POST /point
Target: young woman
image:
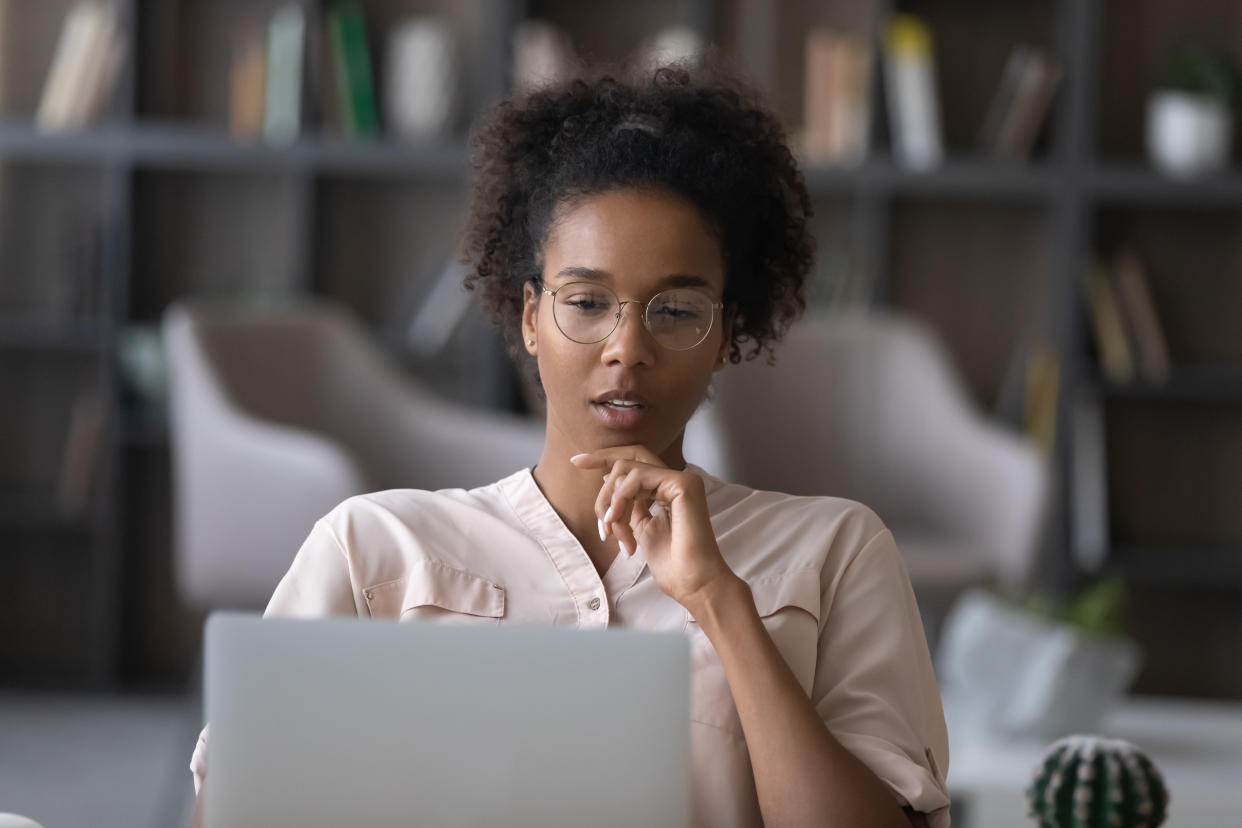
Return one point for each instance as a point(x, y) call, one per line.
point(631, 240)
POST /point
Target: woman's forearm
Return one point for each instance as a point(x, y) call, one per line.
point(803, 775)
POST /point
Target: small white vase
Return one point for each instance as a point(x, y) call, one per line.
point(423, 78)
point(1188, 134)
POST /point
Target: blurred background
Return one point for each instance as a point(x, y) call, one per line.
point(1029, 218)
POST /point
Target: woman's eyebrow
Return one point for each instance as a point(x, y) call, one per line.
point(672, 280)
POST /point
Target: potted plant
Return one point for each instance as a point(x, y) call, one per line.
point(1037, 666)
point(1190, 112)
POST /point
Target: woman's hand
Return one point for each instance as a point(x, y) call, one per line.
point(645, 503)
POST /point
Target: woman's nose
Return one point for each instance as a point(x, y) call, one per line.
point(630, 343)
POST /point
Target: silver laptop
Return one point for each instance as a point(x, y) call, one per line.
point(339, 722)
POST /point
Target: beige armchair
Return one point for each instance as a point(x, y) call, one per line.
point(867, 406)
point(277, 416)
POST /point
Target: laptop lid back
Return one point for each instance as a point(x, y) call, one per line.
point(332, 722)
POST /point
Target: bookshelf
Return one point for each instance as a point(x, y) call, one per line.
point(156, 200)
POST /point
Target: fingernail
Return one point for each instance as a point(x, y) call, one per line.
point(576, 456)
point(600, 523)
point(624, 551)
point(608, 515)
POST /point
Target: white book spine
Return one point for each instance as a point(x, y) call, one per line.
point(286, 45)
point(66, 69)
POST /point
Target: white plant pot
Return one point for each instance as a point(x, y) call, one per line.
point(1027, 676)
point(1188, 134)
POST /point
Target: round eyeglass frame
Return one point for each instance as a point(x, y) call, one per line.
point(621, 308)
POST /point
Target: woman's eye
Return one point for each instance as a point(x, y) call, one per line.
point(675, 313)
point(585, 304)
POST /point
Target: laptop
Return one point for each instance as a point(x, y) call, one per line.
point(333, 722)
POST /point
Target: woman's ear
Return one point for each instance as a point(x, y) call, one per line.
point(530, 313)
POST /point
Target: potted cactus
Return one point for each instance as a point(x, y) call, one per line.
point(1087, 781)
point(1190, 111)
point(1037, 666)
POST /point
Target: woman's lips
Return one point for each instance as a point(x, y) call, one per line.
point(620, 417)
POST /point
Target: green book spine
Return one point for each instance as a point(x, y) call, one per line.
point(340, 71)
point(358, 94)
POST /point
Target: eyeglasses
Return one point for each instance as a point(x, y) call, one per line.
point(587, 312)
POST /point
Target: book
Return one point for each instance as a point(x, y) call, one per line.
point(1142, 321)
point(84, 67)
point(81, 27)
point(248, 80)
point(1107, 325)
point(1027, 111)
point(322, 107)
point(81, 452)
point(352, 69)
point(286, 47)
point(1005, 97)
point(1043, 384)
point(910, 90)
point(837, 97)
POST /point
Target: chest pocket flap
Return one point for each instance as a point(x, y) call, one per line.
point(799, 588)
point(432, 584)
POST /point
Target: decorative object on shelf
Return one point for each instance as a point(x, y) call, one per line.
point(286, 50)
point(1086, 780)
point(422, 79)
point(84, 67)
point(351, 64)
point(837, 97)
point(1190, 112)
point(1037, 667)
point(144, 368)
point(542, 54)
point(910, 87)
point(1020, 106)
point(675, 43)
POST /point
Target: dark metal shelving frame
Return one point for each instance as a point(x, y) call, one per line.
point(1067, 181)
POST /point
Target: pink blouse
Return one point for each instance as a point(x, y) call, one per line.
point(826, 575)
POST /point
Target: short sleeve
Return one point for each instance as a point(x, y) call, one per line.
point(318, 583)
point(875, 687)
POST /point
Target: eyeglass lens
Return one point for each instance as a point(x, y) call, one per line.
point(678, 319)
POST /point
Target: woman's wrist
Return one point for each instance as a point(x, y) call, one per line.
point(721, 598)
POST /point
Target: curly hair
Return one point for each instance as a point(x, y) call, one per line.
point(697, 132)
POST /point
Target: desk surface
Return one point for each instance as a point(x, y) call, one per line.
point(1196, 744)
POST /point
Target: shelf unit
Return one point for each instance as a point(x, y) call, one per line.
point(166, 203)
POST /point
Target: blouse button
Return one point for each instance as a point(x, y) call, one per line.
point(594, 604)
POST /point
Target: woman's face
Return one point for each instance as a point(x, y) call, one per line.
point(637, 243)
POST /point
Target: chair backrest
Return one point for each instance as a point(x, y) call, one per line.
point(867, 405)
point(280, 414)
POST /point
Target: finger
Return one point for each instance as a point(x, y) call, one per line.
point(605, 457)
point(603, 500)
point(628, 531)
point(624, 489)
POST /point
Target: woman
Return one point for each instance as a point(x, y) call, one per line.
point(631, 240)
